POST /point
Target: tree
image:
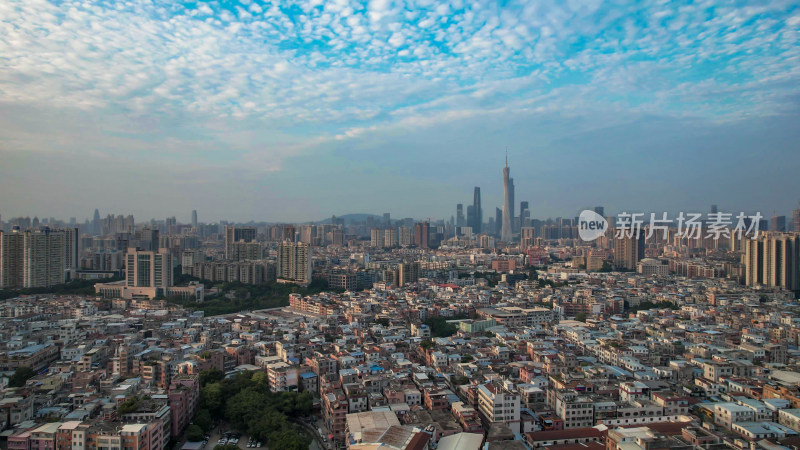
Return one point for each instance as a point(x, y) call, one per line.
point(261, 378)
point(202, 418)
point(580, 317)
point(426, 345)
point(128, 406)
point(211, 376)
point(466, 358)
point(288, 439)
point(211, 398)
point(21, 375)
point(194, 433)
point(459, 380)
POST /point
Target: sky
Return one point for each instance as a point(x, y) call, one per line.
point(299, 110)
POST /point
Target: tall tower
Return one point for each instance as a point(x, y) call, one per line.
point(505, 231)
point(513, 211)
point(96, 227)
point(194, 218)
point(477, 211)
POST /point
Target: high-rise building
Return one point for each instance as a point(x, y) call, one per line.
point(11, 258)
point(149, 269)
point(513, 211)
point(387, 219)
point(194, 218)
point(524, 215)
point(376, 237)
point(289, 233)
point(404, 236)
point(294, 262)
point(600, 211)
point(390, 238)
point(407, 273)
point(422, 234)
point(527, 237)
point(147, 239)
point(307, 234)
point(498, 220)
point(505, 230)
point(460, 215)
point(714, 209)
point(33, 258)
point(796, 220)
point(71, 248)
point(477, 212)
point(96, 224)
point(246, 251)
point(778, 223)
point(236, 234)
point(628, 251)
point(773, 259)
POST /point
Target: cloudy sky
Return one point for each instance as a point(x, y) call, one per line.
point(300, 110)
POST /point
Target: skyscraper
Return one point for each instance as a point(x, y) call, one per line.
point(498, 220)
point(601, 211)
point(96, 224)
point(524, 215)
point(459, 215)
point(513, 211)
point(505, 231)
point(477, 212)
point(194, 218)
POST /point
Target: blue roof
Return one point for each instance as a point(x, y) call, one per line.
point(308, 375)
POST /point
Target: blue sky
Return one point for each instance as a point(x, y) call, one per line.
point(299, 110)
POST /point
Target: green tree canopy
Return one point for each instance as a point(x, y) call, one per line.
point(20, 376)
point(202, 418)
point(194, 433)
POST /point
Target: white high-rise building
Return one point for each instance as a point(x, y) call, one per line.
point(390, 238)
point(404, 236)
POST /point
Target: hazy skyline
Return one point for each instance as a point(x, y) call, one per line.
point(294, 113)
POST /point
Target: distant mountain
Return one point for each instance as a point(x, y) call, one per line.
point(351, 218)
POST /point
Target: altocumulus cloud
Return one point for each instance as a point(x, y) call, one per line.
point(247, 86)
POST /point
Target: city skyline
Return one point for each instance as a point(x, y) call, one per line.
point(311, 109)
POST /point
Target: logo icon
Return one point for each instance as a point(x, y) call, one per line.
point(591, 225)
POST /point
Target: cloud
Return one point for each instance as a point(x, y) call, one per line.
point(253, 86)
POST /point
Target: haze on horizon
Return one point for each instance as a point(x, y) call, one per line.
point(296, 112)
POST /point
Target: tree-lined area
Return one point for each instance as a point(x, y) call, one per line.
point(245, 297)
point(245, 402)
point(74, 287)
